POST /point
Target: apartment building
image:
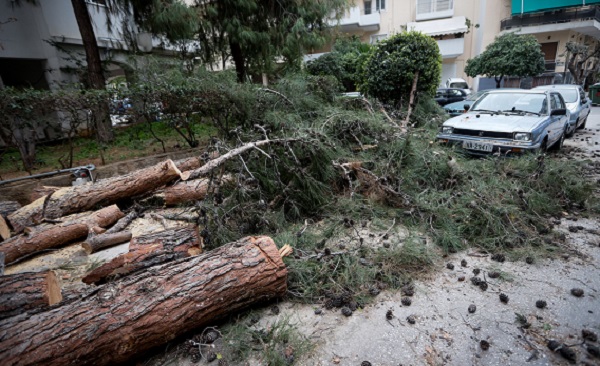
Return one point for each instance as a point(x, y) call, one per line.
point(464, 28)
point(41, 47)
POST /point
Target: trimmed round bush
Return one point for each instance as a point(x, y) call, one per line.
point(390, 69)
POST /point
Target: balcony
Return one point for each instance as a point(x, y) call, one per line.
point(356, 18)
point(450, 48)
point(583, 19)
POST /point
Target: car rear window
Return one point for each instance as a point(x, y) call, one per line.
point(459, 85)
point(569, 95)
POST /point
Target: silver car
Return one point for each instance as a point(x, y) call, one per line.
point(577, 103)
point(509, 122)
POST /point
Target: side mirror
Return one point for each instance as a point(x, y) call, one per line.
point(466, 107)
point(559, 112)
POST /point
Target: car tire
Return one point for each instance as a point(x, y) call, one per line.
point(543, 147)
point(559, 143)
point(572, 133)
point(582, 124)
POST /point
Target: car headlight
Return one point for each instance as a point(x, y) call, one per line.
point(522, 136)
point(446, 129)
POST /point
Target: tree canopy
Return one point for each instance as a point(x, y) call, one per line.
point(391, 68)
point(344, 62)
point(509, 55)
point(258, 33)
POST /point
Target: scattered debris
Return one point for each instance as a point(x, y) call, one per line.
point(461, 278)
point(411, 319)
point(406, 301)
point(463, 263)
point(472, 308)
point(346, 311)
point(588, 335)
point(485, 345)
point(577, 292)
point(504, 298)
point(494, 274)
point(483, 285)
point(476, 271)
point(498, 257)
point(529, 260)
point(450, 266)
point(389, 315)
point(541, 304)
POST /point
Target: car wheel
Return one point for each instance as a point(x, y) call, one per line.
point(583, 124)
point(570, 134)
point(543, 147)
point(559, 144)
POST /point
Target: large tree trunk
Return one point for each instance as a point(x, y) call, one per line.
point(69, 200)
point(23, 291)
point(4, 229)
point(238, 60)
point(149, 250)
point(41, 238)
point(118, 321)
point(187, 191)
point(95, 75)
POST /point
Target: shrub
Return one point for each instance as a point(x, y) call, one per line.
point(390, 69)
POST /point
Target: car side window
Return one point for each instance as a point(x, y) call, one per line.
point(581, 94)
point(454, 93)
point(561, 102)
point(439, 94)
point(553, 104)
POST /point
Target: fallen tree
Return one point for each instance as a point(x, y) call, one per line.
point(69, 200)
point(52, 236)
point(23, 291)
point(147, 251)
point(105, 240)
point(118, 321)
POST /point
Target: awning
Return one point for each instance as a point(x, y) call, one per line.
point(440, 27)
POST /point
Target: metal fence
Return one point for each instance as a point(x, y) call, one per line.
point(552, 17)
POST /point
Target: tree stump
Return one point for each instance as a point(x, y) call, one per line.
point(117, 321)
point(23, 291)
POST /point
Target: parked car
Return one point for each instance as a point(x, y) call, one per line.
point(458, 108)
point(577, 102)
point(446, 96)
point(509, 122)
point(458, 83)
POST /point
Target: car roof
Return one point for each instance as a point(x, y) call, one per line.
point(449, 89)
point(525, 91)
point(559, 86)
point(456, 79)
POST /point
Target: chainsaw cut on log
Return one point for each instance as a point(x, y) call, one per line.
point(23, 291)
point(53, 236)
point(117, 321)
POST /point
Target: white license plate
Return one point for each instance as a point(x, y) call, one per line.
point(475, 145)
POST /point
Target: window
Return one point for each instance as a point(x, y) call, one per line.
point(379, 5)
point(554, 101)
point(378, 37)
point(431, 9)
point(455, 93)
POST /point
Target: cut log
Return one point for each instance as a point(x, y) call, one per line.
point(4, 229)
point(118, 321)
point(23, 291)
point(147, 251)
point(42, 191)
point(97, 242)
point(104, 192)
point(187, 191)
point(53, 236)
point(8, 207)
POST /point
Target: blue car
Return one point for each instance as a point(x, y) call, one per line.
point(458, 108)
point(509, 122)
point(577, 103)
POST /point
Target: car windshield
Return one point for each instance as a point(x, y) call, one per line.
point(473, 97)
point(569, 95)
point(459, 85)
point(534, 103)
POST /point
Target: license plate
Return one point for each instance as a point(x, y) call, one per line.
point(475, 145)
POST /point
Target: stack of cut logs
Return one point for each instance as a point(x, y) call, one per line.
point(162, 287)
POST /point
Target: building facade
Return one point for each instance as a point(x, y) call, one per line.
point(464, 28)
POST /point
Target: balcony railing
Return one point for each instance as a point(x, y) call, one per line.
point(358, 17)
point(552, 17)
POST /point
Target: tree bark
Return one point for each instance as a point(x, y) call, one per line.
point(95, 73)
point(4, 229)
point(2, 257)
point(69, 200)
point(97, 242)
point(149, 250)
point(118, 321)
point(8, 207)
point(411, 99)
point(191, 190)
point(23, 291)
point(42, 191)
point(57, 235)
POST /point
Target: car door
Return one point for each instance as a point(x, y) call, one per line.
point(557, 122)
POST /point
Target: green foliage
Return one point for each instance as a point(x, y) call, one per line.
point(344, 62)
point(390, 69)
point(509, 55)
point(255, 33)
